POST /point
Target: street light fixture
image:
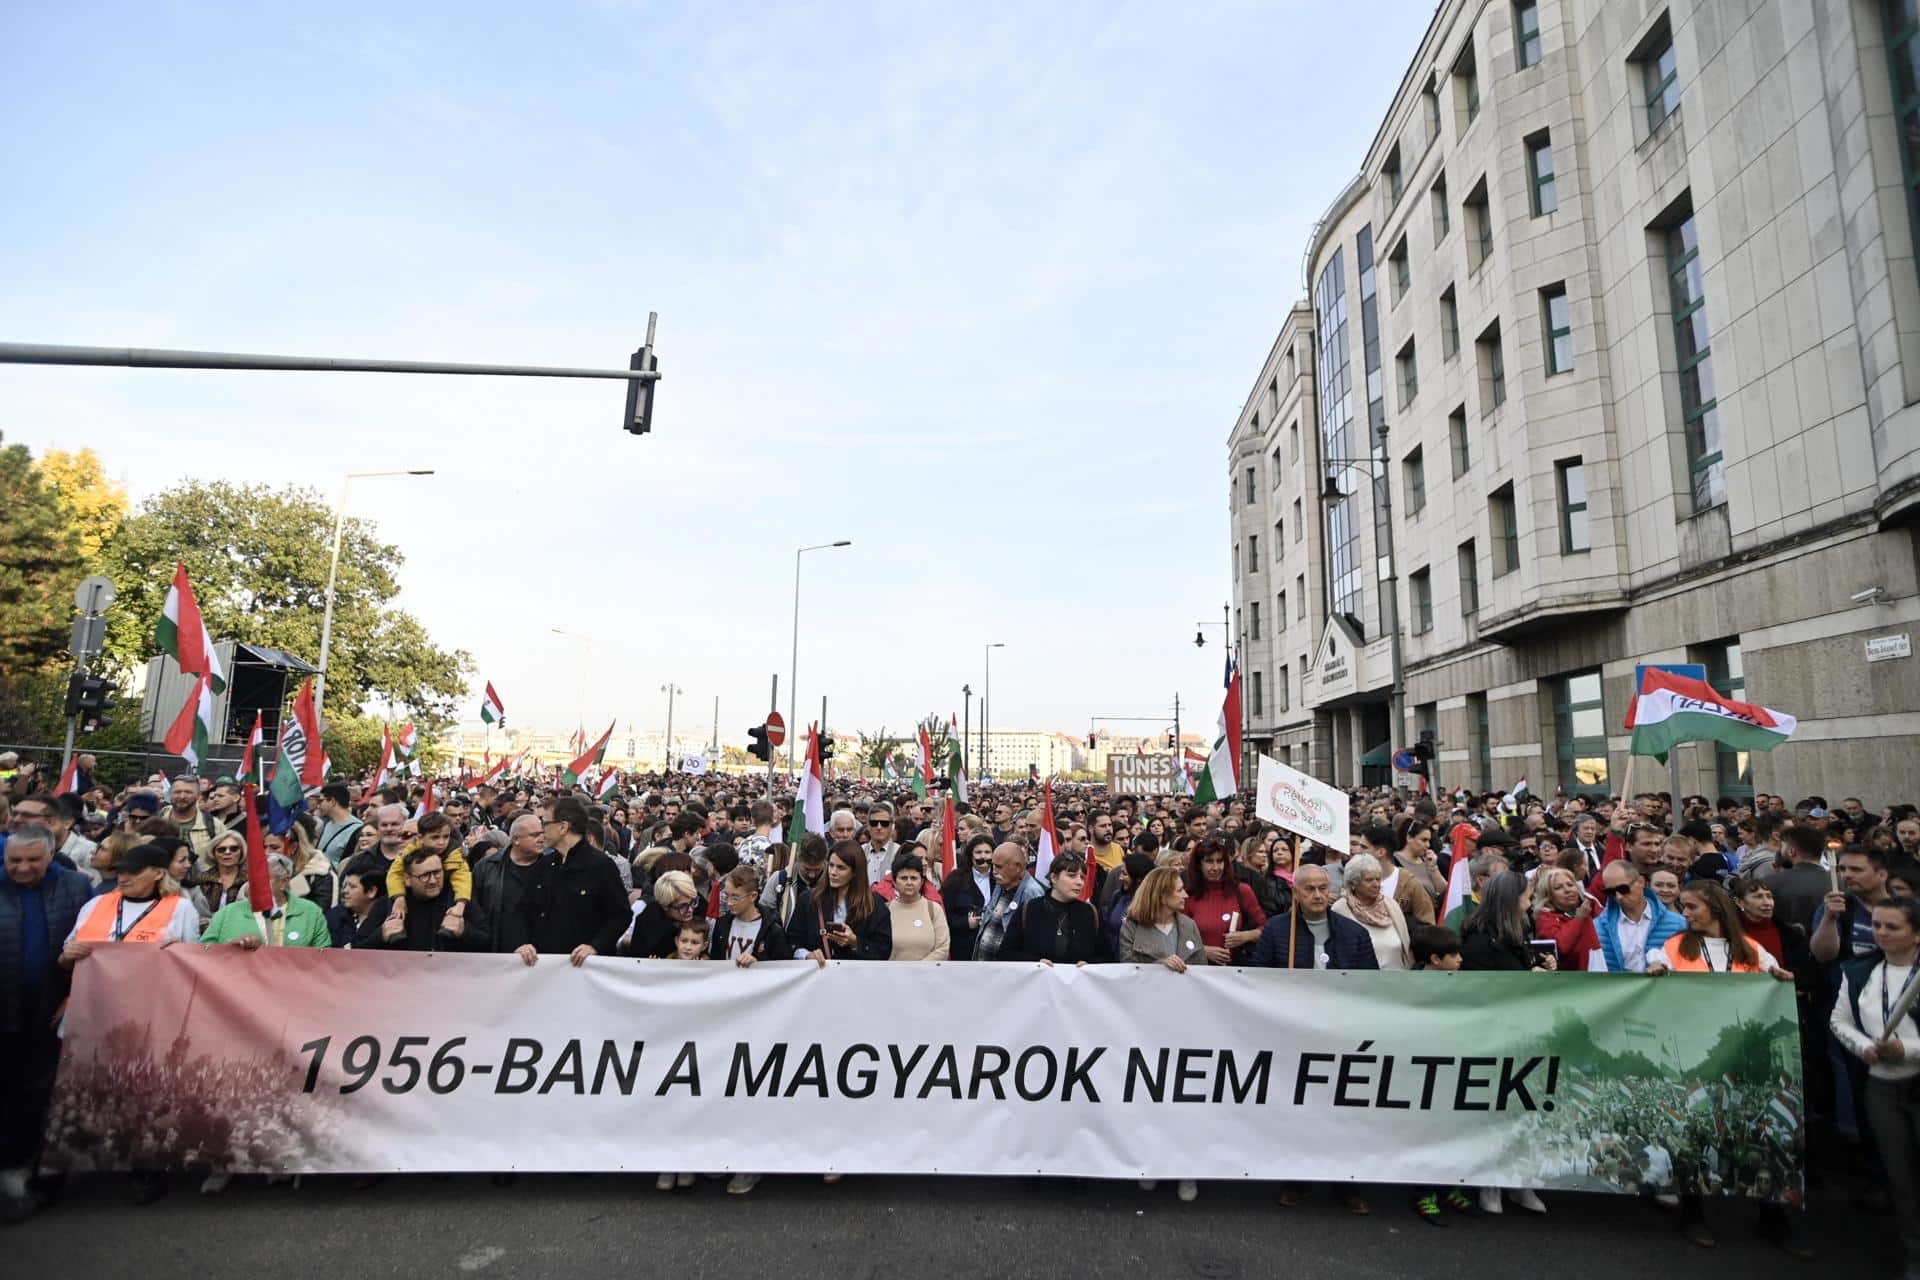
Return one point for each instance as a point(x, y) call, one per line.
point(793, 676)
point(333, 572)
point(670, 690)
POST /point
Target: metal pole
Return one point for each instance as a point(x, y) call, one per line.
point(160, 358)
point(1179, 765)
point(823, 733)
point(1397, 696)
point(793, 673)
point(966, 728)
point(333, 577)
point(773, 709)
point(671, 690)
point(986, 699)
point(714, 747)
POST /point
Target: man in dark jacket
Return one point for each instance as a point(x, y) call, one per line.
point(1320, 939)
point(502, 882)
point(417, 920)
point(576, 906)
point(39, 903)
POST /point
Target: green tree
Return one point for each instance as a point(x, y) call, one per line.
point(40, 565)
point(258, 559)
point(94, 505)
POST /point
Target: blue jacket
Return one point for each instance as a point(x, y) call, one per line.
point(62, 894)
point(1665, 924)
point(1349, 945)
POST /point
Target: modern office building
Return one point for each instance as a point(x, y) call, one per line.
point(1611, 353)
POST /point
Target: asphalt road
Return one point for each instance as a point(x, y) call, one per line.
point(922, 1228)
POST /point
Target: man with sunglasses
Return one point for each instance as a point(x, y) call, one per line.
point(880, 846)
point(1632, 924)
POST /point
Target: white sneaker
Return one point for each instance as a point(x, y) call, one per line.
point(663, 1183)
point(1148, 1184)
point(1527, 1199)
point(741, 1183)
point(13, 1183)
point(1490, 1200)
point(683, 1180)
point(1189, 1190)
point(215, 1184)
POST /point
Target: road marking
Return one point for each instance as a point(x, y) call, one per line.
point(482, 1258)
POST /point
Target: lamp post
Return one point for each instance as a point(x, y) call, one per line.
point(670, 690)
point(966, 727)
point(1331, 496)
point(1236, 645)
point(793, 676)
point(333, 573)
point(586, 665)
point(986, 697)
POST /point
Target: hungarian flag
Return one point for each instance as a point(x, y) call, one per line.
point(957, 769)
point(193, 727)
point(1218, 781)
point(253, 745)
point(183, 637)
point(491, 709)
point(300, 742)
point(1671, 709)
point(405, 744)
point(1049, 835)
point(286, 786)
point(923, 774)
point(809, 809)
point(386, 758)
point(494, 772)
point(608, 782)
point(949, 839)
point(68, 776)
point(1511, 801)
point(259, 888)
point(586, 759)
point(427, 802)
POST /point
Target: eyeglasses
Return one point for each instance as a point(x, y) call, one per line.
point(426, 875)
point(880, 822)
point(228, 848)
point(1619, 890)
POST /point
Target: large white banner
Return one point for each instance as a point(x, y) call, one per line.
point(1301, 803)
point(289, 1059)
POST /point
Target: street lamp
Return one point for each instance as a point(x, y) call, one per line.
point(986, 697)
point(670, 690)
point(333, 573)
point(793, 676)
point(1331, 496)
point(586, 666)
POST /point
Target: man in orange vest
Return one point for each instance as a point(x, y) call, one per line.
point(147, 907)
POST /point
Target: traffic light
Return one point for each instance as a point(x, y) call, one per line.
point(826, 746)
point(757, 745)
point(1171, 743)
point(640, 393)
point(1093, 742)
point(90, 698)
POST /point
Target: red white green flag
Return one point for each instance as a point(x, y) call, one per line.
point(608, 781)
point(809, 807)
point(386, 758)
point(923, 773)
point(193, 728)
point(1670, 709)
point(492, 710)
point(253, 746)
point(586, 760)
point(183, 637)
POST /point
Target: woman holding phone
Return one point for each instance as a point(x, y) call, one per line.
point(854, 923)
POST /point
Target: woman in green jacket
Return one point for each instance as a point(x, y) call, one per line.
point(299, 924)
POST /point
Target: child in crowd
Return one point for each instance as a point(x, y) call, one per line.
point(1437, 950)
point(689, 943)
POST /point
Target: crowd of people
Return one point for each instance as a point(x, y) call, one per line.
point(700, 868)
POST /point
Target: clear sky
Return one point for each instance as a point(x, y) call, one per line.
point(981, 288)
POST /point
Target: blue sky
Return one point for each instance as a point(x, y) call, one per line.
point(980, 288)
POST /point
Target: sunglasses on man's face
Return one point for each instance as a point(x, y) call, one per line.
point(1619, 890)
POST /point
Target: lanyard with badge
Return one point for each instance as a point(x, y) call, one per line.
point(1887, 1002)
point(121, 928)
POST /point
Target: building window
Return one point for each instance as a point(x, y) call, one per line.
point(1430, 109)
point(1299, 525)
point(1277, 470)
point(1415, 468)
point(1335, 388)
point(1400, 269)
point(1293, 439)
point(1540, 174)
point(1699, 408)
point(1420, 585)
point(1253, 620)
point(1300, 602)
point(1557, 320)
point(1493, 369)
point(1251, 495)
point(1293, 368)
point(1580, 733)
point(1469, 579)
point(1479, 741)
point(1408, 373)
point(1253, 553)
point(1449, 325)
point(1279, 537)
point(1391, 172)
point(1727, 673)
point(1571, 480)
point(1479, 226)
point(1457, 439)
point(1466, 84)
point(1258, 708)
point(1280, 613)
point(1282, 689)
point(1442, 216)
point(1526, 32)
point(1662, 73)
point(1503, 520)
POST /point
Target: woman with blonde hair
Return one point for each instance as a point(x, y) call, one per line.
point(1564, 913)
point(657, 921)
point(1157, 929)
